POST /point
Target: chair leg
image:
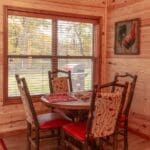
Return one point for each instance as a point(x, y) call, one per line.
point(62, 140)
point(59, 138)
point(90, 145)
point(126, 134)
point(94, 145)
point(85, 146)
point(100, 144)
point(28, 136)
point(126, 139)
point(37, 139)
point(115, 143)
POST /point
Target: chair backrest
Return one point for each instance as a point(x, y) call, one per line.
point(131, 79)
point(105, 111)
point(2, 145)
point(60, 84)
point(31, 115)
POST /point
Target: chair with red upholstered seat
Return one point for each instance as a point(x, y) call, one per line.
point(102, 120)
point(2, 145)
point(123, 125)
point(38, 123)
point(60, 82)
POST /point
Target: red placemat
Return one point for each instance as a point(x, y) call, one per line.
point(52, 98)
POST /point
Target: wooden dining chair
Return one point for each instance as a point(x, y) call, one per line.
point(102, 122)
point(2, 145)
point(60, 84)
point(36, 124)
point(123, 125)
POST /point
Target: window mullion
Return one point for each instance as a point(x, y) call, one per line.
point(54, 45)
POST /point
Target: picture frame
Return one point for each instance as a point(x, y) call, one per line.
point(127, 37)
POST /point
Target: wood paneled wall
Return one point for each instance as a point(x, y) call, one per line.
point(119, 10)
point(12, 116)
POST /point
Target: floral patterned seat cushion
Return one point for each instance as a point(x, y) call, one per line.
point(60, 85)
point(107, 106)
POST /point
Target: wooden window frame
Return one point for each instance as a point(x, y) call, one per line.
point(9, 10)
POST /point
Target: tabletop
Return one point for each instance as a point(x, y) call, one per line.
point(75, 104)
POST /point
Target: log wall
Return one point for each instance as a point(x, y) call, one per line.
point(12, 116)
point(119, 10)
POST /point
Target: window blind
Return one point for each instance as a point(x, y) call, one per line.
point(36, 45)
point(29, 39)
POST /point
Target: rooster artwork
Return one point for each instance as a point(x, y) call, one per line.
point(126, 41)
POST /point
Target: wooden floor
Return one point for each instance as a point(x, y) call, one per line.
point(18, 142)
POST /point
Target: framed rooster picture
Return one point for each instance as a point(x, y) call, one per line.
point(127, 37)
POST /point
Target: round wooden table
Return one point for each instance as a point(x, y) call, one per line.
point(68, 105)
point(76, 109)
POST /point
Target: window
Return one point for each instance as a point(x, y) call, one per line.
point(38, 43)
